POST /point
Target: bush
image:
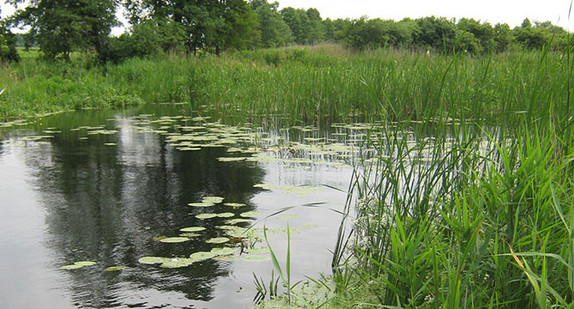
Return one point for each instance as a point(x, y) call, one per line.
point(8, 46)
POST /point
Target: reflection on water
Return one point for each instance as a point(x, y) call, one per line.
point(105, 197)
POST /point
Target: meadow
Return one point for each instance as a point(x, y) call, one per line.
point(470, 202)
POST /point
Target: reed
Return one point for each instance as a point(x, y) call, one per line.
point(480, 214)
point(325, 82)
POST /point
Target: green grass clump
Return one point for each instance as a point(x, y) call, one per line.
point(311, 83)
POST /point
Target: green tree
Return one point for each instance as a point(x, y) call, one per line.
point(436, 33)
point(502, 37)
point(7, 45)
point(483, 34)
point(314, 27)
point(530, 37)
point(297, 20)
point(274, 31)
point(368, 34)
point(206, 24)
point(63, 26)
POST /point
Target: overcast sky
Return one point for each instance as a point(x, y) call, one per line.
point(511, 12)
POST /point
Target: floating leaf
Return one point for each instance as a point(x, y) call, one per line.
point(115, 268)
point(71, 266)
point(77, 265)
point(223, 251)
point(217, 240)
point(189, 235)
point(213, 199)
point(150, 260)
point(226, 215)
point(192, 229)
point(188, 149)
point(205, 216)
point(299, 190)
point(250, 214)
point(227, 258)
point(234, 205)
point(35, 138)
point(176, 263)
point(237, 221)
point(172, 240)
point(201, 256)
point(256, 258)
point(231, 159)
point(202, 204)
point(102, 132)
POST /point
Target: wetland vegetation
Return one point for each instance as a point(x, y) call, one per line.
point(460, 158)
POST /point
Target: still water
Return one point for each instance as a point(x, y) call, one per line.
point(114, 187)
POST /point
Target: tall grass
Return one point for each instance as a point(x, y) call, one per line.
point(325, 82)
point(479, 215)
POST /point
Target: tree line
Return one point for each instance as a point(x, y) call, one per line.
point(156, 27)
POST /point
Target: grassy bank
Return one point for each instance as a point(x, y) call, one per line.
point(310, 83)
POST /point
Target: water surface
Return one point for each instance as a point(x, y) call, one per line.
point(108, 186)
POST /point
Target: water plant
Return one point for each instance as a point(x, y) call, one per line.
point(471, 214)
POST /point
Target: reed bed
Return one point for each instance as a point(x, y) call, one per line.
point(472, 213)
point(325, 82)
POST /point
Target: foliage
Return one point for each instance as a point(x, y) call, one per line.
point(201, 24)
point(64, 26)
point(7, 46)
point(274, 30)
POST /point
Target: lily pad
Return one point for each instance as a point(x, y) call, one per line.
point(256, 258)
point(150, 260)
point(115, 268)
point(226, 215)
point(231, 159)
point(227, 258)
point(77, 265)
point(173, 240)
point(189, 235)
point(237, 221)
point(217, 240)
point(176, 263)
point(201, 204)
point(213, 199)
point(298, 190)
point(201, 256)
point(250, 214)
point(188, 149)
point(224, 251)
point(192, 229)
point(234, 205)
point(205, 216)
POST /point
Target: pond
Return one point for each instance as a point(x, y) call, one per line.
point(158, 207)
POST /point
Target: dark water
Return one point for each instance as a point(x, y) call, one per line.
point(103, 198)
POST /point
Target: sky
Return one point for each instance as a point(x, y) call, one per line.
point(511, 12)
